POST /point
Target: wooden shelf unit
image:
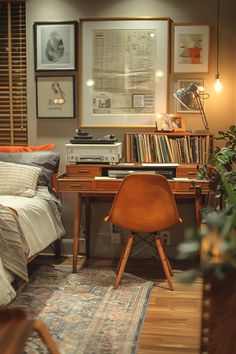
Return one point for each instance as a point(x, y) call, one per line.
point(166, 147)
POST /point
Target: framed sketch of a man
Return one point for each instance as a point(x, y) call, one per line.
point(55, 45)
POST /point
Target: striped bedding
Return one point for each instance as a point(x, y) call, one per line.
point(13, 246)
point(27, 226)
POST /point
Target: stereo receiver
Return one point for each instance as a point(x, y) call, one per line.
point(94, 153)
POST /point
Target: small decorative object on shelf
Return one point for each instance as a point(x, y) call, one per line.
point(166, 122)
point(176, 147)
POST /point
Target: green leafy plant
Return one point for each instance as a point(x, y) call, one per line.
point(216, 240)
point(223, 162)
point(229, 138)
point(219, 230)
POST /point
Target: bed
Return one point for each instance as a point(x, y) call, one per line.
point(30, 213)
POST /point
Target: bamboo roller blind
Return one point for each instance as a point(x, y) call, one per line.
point(13, 107)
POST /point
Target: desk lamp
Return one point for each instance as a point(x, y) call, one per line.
point(187, 95)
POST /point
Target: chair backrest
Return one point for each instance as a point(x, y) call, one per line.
point(144, 203)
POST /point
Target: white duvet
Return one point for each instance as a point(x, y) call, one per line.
point(41, 223)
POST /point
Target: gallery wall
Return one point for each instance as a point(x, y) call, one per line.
point(220, 108)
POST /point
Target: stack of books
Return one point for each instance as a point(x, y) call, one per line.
point(163, 148)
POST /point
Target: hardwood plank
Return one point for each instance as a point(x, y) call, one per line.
point(172, 321)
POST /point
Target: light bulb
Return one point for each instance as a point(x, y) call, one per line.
point(218, 85)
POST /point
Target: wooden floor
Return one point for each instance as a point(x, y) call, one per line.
point(172, 321)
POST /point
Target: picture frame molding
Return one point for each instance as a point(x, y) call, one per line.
point(70, 50)
point(191, 29)
point(42, 103)
point(87, 94)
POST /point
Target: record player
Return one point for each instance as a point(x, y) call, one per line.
point(84, 148)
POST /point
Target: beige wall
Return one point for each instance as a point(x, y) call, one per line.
point(220, 108)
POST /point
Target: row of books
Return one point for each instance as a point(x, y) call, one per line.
point(161, 148)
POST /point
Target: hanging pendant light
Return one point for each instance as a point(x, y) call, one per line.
point(218, 85)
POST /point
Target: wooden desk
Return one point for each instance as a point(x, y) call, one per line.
point(98, 186)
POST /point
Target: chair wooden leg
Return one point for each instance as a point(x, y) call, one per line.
point(46, 337)
point(168, 262)
point(124, 259)
point(122, 255)
point(165, 262)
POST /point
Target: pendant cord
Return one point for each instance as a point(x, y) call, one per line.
point(217, 37)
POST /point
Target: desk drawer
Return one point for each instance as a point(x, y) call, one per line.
point(187, 172)
point(188, 187)
point(108, 185)
point(82, 171)
point(74, 185)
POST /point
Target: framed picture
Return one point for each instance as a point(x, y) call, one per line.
point(55, 45)
point(177, 122)
point(183, 83)
point(191, 48)
point(170, 122)
point(124, 71)
point(55, 97)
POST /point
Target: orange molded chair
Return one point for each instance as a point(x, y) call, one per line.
point(144, 203)
point(15, 328)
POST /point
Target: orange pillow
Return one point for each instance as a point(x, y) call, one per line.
point(11, 148)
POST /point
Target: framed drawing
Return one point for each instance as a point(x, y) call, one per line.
point(55, 45)
point(55, 97)
point(191, 48)
point(124, 71)
point(170, 122)
point(183, 83)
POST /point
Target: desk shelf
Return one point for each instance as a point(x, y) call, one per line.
point(158, 147)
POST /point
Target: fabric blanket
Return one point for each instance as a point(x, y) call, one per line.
point(13, 246)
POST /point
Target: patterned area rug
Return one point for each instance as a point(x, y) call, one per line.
point(83, 312)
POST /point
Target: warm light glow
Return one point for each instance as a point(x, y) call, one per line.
point(218, 85)
point(159, 74)
point(90, 82)
point(200, 88)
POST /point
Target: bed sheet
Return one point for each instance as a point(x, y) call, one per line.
point(40, 220)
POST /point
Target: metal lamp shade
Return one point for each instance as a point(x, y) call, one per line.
point(185, 96)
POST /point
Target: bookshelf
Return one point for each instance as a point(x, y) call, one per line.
point(163, 147)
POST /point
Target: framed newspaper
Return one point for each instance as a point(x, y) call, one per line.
point(124, 70)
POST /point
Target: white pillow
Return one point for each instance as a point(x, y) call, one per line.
point(16, 179)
